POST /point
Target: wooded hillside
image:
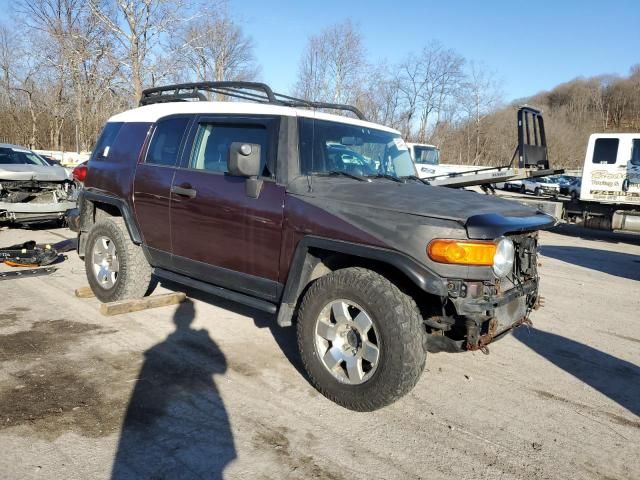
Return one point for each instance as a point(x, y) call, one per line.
point(572, 111)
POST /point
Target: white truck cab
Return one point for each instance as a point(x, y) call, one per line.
point(611, 172)
point(427, 160)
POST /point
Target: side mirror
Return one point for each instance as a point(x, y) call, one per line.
point(244, 161)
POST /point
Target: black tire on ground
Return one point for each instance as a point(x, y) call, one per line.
point(134, 277)
point(537, 192)
point(399, 326)
point(523, 189)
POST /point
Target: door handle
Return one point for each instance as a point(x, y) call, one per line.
point(183, 191)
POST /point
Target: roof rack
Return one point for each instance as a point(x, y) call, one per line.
point(251, 91)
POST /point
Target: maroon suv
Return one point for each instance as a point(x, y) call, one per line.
point(314, 217)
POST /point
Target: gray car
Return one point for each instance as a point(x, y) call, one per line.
point(31, 189)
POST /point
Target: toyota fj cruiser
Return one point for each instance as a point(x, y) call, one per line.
point(314, 217)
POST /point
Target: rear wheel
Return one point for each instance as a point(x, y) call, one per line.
point(116, 267)
point(523, 189)
point(360, 339)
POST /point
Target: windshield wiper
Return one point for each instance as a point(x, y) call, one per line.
point(387, 176)
point(343, 173)
point(414, 177)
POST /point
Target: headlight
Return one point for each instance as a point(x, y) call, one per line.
point(503, 258)
point(498, 254)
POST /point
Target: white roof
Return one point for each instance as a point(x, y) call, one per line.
point(154, 112)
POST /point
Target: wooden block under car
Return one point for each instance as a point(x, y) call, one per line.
point(135, 305)
point(84, 292)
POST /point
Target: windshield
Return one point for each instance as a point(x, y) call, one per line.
point(327, 147)
point(13, 156)
point(426, 155)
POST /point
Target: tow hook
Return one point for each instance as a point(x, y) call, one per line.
point(484, 340)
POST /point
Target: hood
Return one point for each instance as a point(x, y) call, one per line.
point(409, 198)
point(483, 216)
point(40, 173)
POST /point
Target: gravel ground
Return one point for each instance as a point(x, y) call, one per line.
point(214, 390)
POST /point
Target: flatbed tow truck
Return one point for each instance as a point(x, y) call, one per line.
point(610, 192)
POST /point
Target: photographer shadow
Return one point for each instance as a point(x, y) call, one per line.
point(176, 425)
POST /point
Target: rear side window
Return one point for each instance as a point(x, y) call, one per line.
point(606, 150)
point(211, 146)
point(105, 142)
point(635, 153)
point(165, 143)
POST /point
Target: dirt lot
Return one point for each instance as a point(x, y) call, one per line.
point(214, 390)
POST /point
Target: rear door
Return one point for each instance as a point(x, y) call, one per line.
point(152, 185)
point(610, 173)
point(219, 234)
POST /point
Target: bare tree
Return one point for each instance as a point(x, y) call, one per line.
point(332, 65)
point(428, 80)
point(215, 48)
point(139, 27)
point(479, 96)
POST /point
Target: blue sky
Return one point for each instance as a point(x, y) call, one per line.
point(530, 46)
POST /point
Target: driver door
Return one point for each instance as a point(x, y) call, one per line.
point(219, 233)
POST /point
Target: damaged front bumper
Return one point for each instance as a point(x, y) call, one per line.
point(484, 319)
point(34, 212)
point(31, 201)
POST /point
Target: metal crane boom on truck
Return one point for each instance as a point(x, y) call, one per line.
point(531, 152)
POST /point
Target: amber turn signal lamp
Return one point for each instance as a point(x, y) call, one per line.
point(462, 252)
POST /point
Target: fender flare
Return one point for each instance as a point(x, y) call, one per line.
point(303, 263)
point(123, 206)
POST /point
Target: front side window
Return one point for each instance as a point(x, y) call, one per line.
point(165, 144)
point(426, 155)
point(329, 147)
point(635, 153)
point(105, 142)
point(212, 143)
point(606, 150)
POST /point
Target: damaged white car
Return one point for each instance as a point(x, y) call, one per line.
point(32, 190)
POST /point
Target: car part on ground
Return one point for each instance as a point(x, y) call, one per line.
point(27, 273)
point(28, 254)
point(31, 190)
point(310, 216)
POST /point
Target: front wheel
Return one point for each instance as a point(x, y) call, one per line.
point(360, 339)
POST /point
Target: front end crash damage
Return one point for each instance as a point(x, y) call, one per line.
point(475, 313)
point(29, 201)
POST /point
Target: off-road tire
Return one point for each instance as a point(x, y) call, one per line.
point(398, 322)
point(134, 278)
